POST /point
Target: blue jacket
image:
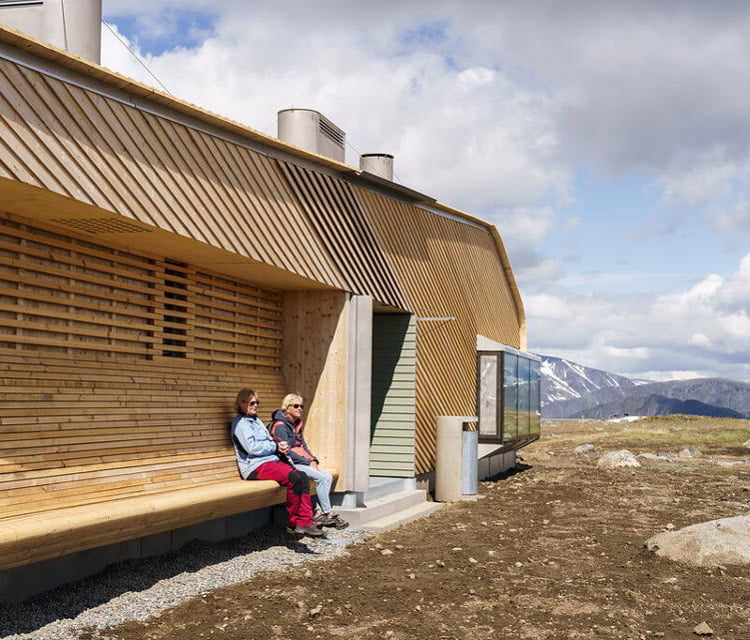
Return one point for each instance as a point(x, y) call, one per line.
point(253, 445)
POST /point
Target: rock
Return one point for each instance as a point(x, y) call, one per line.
point(708, 544)
point(659, 457)
point(669, 527)
point(386, 552)
point(473, 560)
point(584, 449)
point(746, 444)
point(314, 612)
point(689, 452)
point(703, 630)
point(617, 459)
point(440, 563)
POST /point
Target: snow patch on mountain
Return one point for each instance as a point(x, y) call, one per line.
point(565, 380)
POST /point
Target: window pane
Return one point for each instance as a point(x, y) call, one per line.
point(488, 395)
point(510, 397)
point(524, 403)
point(535, 396)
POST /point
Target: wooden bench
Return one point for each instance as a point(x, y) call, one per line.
point(97, 452)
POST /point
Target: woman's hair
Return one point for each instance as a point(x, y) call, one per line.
point(242, 397)
point(290, 399)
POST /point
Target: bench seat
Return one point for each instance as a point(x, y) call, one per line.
point(43, 535)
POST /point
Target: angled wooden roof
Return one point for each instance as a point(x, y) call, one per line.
point(123, 156)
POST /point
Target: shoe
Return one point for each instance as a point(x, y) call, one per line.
point(310, 530)
point(324, 519)
point(340, 522)
point(330, 520)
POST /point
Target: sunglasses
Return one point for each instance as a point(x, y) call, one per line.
point(298, 406)
point(253, 403)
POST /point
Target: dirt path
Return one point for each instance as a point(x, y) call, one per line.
point(555, 551)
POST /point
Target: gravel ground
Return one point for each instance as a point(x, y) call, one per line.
point(137, 589)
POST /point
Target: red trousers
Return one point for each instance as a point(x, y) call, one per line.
point(299, 511)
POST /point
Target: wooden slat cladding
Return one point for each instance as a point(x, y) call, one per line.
point(447, 269)
point(60, 295)
point(64, 294)
point(236, 324)
point(77, 430)
point(347, 232)
point(98, 151)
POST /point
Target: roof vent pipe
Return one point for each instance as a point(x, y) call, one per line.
point(312, 131)
point(379, 164)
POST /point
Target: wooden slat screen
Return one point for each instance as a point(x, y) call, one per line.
point(118, 371)
point(63, 295)
point(236, 324)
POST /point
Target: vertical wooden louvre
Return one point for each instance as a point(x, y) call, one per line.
point(454, 280)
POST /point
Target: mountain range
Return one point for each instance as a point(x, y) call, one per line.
point(572, 390)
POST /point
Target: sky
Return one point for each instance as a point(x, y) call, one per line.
point(607, 141)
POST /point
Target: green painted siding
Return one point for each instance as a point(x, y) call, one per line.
point(394, 351)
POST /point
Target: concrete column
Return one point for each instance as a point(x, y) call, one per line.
point(359, 393)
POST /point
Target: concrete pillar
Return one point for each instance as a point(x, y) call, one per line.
point(359, 394)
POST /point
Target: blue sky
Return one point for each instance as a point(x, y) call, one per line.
point(607, 142)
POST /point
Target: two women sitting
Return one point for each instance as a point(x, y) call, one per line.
point(261, 457)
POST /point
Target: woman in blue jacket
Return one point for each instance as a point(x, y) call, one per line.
point(260, 457)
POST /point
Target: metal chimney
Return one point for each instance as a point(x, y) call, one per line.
point(311, 130)
point(379, 164)
point(73, 25)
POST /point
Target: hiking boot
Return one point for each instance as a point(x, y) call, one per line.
point(330, 520)
point(309, 530)
point(340, 522)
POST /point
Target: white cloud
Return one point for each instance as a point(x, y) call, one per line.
point(694, 331)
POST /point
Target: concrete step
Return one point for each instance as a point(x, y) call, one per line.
point(408, 515)
point(382, 507)
point(382, 486)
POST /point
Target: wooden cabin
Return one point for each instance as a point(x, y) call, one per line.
point(156, 257)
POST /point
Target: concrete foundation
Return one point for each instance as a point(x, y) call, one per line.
point(495, 464)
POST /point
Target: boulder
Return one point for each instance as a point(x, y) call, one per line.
point(617, 460)
point(660, 457)
point(583, 449)
point(709, 544)
point(689, 452)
